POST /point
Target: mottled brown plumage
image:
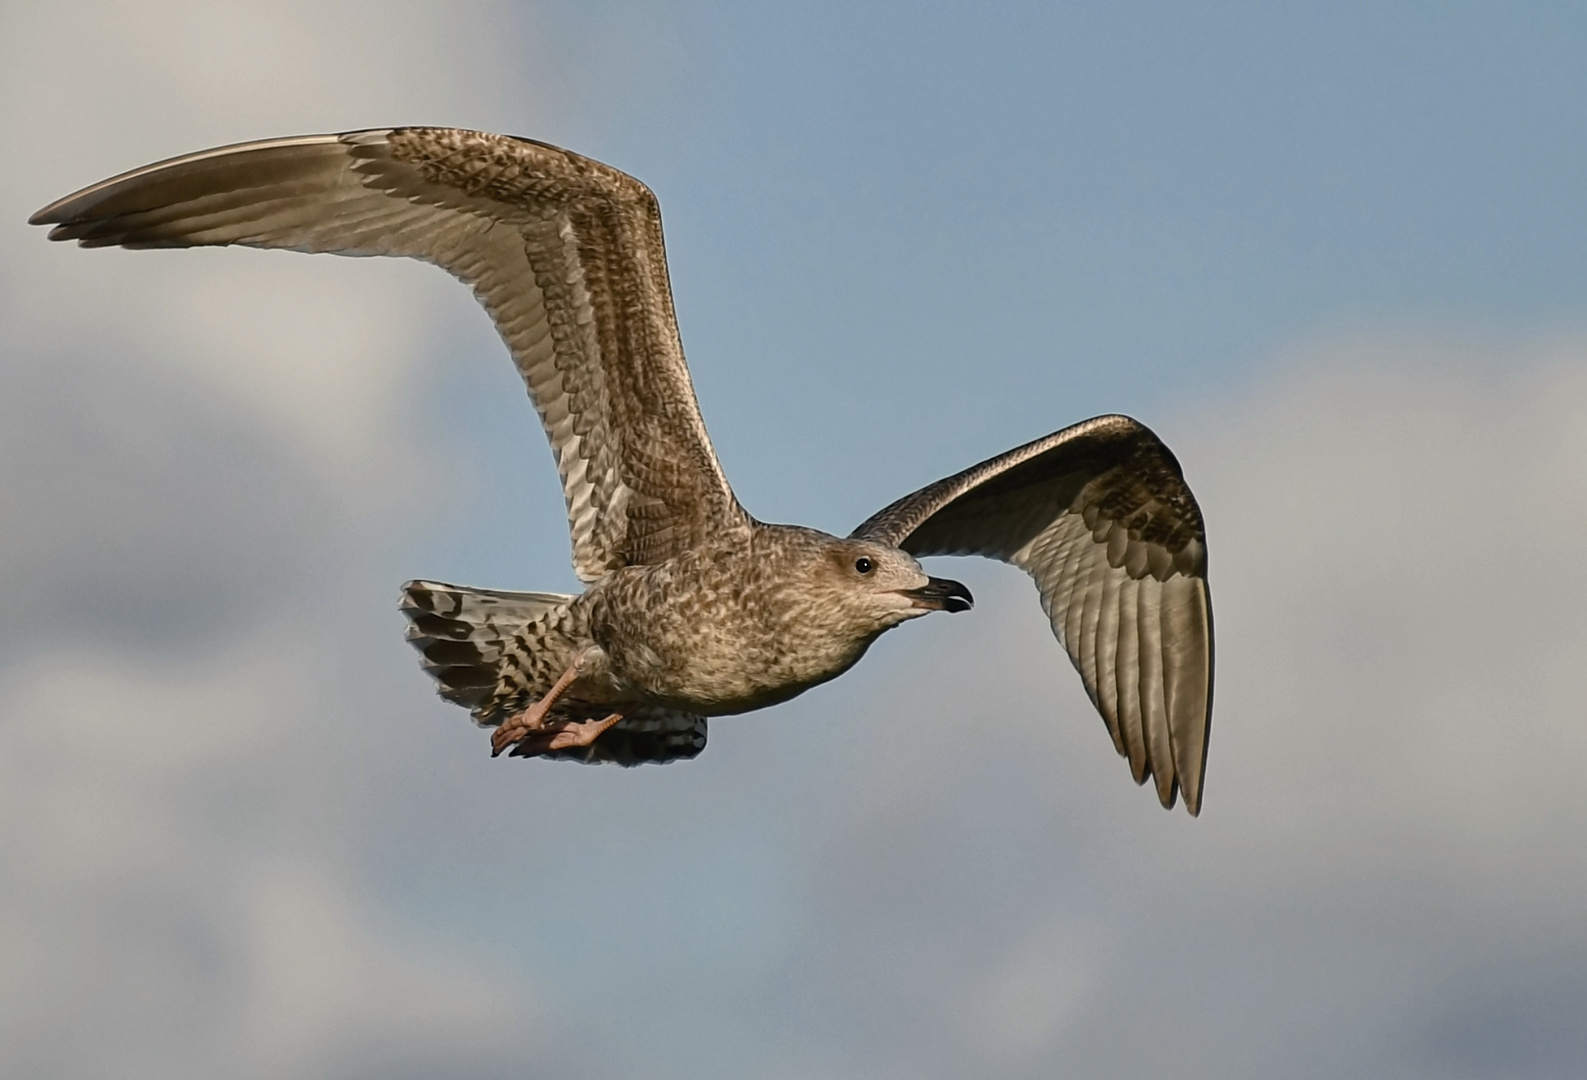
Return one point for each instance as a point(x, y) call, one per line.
point(693, 609)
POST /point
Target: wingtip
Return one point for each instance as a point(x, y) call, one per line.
point(1170, 795)
point(49, 215)
point(58, 213)
point(1174, 794)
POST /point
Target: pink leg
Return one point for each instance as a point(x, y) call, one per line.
point(568, 734)
point(533, 718)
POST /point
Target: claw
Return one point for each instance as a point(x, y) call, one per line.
point(532, 720)
point(520, 726)
point(567, 734)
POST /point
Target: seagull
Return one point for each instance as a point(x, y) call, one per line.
point(692, 608)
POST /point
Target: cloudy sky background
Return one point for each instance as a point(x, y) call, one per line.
point(1334, 258)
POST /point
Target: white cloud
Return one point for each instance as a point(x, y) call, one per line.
point(194, 447)
point(327, 348)
point(178, 873)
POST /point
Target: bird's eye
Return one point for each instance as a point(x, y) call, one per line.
point(863, 565)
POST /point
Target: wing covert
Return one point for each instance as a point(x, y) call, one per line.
point(1100, 516)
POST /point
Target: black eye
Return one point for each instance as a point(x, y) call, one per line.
point(863, 565)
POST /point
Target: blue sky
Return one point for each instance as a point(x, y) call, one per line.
point(1334, 255)
point(1109, 206)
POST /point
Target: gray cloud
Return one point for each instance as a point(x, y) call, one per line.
point(190, 464)
point(1388, 877)
point(176, 895)
point(238, 837)
point(145, 513)
point(935, 866)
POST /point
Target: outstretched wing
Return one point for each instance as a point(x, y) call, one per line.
point(1099, 514)
point(565, 253)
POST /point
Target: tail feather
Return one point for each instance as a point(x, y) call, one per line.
point(494, 652)
point(467, 637)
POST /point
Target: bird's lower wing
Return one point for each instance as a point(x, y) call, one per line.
point(1100, 516)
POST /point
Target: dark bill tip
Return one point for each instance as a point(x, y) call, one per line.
point(940, 594)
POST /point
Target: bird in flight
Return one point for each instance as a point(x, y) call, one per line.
point(692, 608)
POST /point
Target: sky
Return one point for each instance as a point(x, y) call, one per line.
point(1333, 254)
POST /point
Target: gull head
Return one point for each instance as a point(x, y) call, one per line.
point(872, 587)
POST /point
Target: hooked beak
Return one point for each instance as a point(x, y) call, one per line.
point(940, 594)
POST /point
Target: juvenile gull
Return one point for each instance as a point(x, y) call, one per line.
point(693, 608)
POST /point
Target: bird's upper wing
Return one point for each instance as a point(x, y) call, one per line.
point(565, 253)
point(1099, 514)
